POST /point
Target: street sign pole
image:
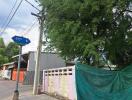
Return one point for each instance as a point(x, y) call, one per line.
point(16, 92)
point(21, 41)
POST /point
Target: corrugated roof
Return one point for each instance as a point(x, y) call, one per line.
point(8, 63)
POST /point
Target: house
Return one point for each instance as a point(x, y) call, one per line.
point(1, 69)
point(23, 69)
point(9, 71)
point(47, 61)
point(5, 71)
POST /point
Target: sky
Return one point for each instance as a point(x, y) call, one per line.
point(21, 22)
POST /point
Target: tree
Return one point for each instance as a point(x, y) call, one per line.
point(2, 44)
point(3, 58)
point(11, 50)
point(87, 29)
point(6, 52)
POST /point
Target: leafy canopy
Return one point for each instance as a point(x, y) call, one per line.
point(87, 28)
point(3, 58)
point(11, 50)
point(6, 52)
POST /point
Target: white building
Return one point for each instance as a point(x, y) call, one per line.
point(6, 72)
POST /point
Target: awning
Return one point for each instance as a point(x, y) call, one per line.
point(10, 67)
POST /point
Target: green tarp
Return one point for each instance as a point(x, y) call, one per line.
point(99, 84)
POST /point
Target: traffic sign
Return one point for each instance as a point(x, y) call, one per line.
point(21, 40)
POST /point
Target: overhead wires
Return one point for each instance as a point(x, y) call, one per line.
point(32, 5)
point(28, 29)
point(35, 22)
point(12, 14)
point(9, 14)
point(5, 27)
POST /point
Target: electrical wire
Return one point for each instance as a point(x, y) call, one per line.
point(32, 5)
point(11, 17)
point(9, 14)
point(29, 28)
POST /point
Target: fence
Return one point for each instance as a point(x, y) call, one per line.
point(60, 81)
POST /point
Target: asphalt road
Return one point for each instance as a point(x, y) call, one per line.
point(7, 88)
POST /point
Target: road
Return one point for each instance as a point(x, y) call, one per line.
point(7, 88)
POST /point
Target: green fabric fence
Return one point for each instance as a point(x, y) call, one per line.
point(99, 84)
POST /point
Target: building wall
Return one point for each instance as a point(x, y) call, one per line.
point(21, 74)
point(61, 82)
point(0, 73)
point(29, 78)
point(47, 61)
point(7, 74)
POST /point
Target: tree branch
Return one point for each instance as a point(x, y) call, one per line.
point(121, 13)
point(129, 11)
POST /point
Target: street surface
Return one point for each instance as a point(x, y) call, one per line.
point(7, 89)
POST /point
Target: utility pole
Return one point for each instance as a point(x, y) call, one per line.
point(36, 84)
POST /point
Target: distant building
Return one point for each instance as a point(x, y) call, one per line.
point(9, 71)
point(5, 71)
point(47, 61)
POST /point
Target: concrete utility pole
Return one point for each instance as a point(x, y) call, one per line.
point(36, 84)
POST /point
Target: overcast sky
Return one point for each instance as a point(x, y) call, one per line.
point(21, 22)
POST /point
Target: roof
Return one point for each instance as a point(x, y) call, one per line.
point(26, 53)
point(21, 54)
point(11, 67)
point(11, 63)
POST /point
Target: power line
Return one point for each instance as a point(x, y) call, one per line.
point(29, 28)
point(12, 17)
point(9, 14)
point(32, 5)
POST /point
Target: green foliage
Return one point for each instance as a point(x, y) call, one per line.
point(3, 58)
point(78, 28)
point(11, 50)
point(2, 45)
point(6, 52)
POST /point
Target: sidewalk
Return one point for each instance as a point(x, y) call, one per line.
point(29, 96)
point(25, 92)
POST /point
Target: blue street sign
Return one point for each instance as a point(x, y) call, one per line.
point(21, 40)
